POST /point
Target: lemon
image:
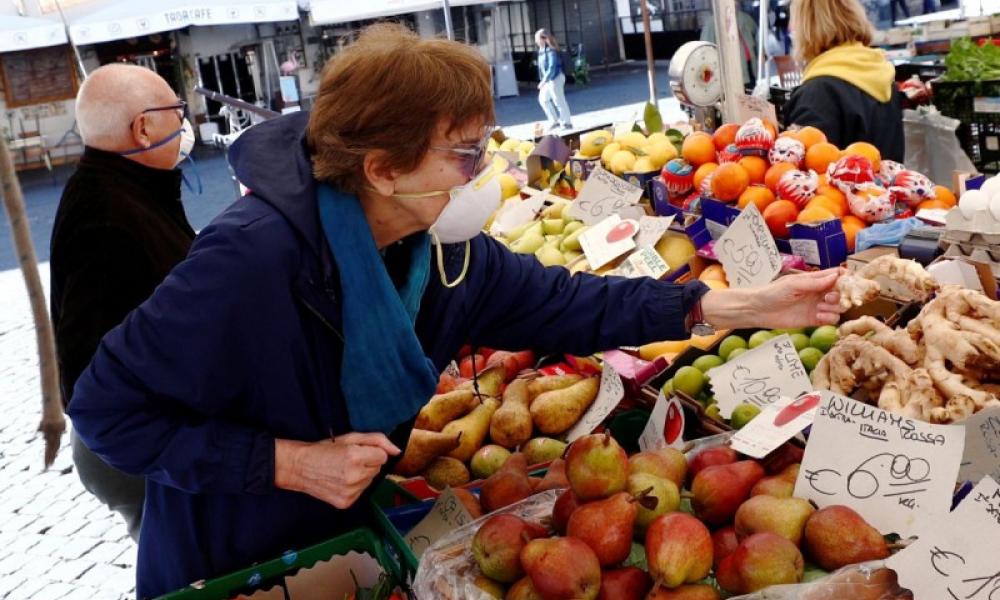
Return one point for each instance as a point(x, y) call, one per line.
point(621, 161)
point(593, 143)
point(510, 145)
point(609, 151)
point(658, 137)
point(644, 165)
point(660, 152)
point(632, 139)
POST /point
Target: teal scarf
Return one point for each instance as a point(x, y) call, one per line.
point(385, 376)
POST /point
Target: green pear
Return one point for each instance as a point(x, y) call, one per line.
point(518, 231)
point(528, 243)
point(784, 516)
point(571, 227)
point(542, 449)
point(550, 256)
point(668, 498)
point(571, 255)
point(572, 241)
point(553, 226)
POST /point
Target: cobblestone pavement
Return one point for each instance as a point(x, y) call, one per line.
point(56, 540)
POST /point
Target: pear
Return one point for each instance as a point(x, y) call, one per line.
point(555, 478)
point(836, 536)
point(761, 560)
point(628, 583)
point(717, 455)
point(668, 463)
point(551, 382)
point(445, 408)
point(571, 255)
point(488, 460)
point(423, 447)
point(493, 589)
point(784, 516)
point(542, 449)
point(774, 485)
point(517, 232)
point(553, 226)
point(606, 526)
point(724, 543)
point(571, 241)
point(508, 485)
point(555, 412)
point(523, 590)
point(497, 546)
point(550, 255)
point(719, 491)
point(566, 504)
point(469, 501)
point(489, 382)
point(678, 549)
point(668, 498)
point(445, 471)
point(562, 568)
point(597, 467)
point(693, 591)
point(473, 428)
point(511, 424)
point(528, 243)
point(572, 226)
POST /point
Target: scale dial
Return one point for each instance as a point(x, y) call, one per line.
point(694, 74)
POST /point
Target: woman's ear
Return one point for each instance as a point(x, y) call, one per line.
point(378, 173)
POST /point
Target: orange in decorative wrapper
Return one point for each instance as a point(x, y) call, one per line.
point(775, 173)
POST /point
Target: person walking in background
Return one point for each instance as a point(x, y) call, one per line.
point(902, 4)
point(120, 228)
point(551, 81)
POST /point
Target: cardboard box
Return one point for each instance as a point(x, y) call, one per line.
point(581, 167)
point(656, 191)
point(977, 275)
point(641, 180)
point(822, 245)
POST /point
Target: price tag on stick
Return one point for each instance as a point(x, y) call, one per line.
point(611, 392)
point(760, 376)
point(956, 555)
point(447, 514)
point(747, 251)
point(603, 195)
point(665, 427)
point(895, 472)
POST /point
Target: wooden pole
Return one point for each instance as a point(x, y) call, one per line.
point(604, 35)
point(650, 65)
point(53, 423)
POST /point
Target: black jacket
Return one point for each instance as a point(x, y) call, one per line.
point(120, 228)
point(846, 114)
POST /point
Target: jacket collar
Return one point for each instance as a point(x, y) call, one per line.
point(163, 185)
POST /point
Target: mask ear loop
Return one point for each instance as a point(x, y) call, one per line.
point(440, 263)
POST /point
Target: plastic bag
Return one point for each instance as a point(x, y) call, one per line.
point(932, 147)
point(865, 581)
point(890, 233)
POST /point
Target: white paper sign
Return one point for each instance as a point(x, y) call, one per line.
point(895, 472)
point(747, 250)
point(651, 229)
point(608, 240)
point(760, 376)
point(644, 262)
point(603, 195)
point(665, 428)
point(610, 394)
point(776, 424)
point(957, 556)
point(982, 446)
point(447, 514)
point(717, 230)
point(750, 107)
point(518, 213)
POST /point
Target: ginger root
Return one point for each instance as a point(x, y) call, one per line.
point(856, 362)
point(896, 341)
point(861, 287)
point(856, 291)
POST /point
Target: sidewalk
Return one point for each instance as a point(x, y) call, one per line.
point(56, 540)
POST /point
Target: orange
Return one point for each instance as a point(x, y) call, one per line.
point(815, 213)
point(729, 181)
point(756, 194)
point(778, 215)
point(772, 127)
point(933, 204)
point(698, 148)
point(852, 225)
point(824, 179)
point(725, 135)
point(702, 172)
point(819, 156)
point(944, 195)
point(828, 204)
point(868, 151)
point(774, 174)
point(833, 193)
point(713, 272)
point(716, 284)
point(756, 167)
point(810, 136)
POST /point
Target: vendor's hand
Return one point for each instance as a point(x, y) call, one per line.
point(334, 471)
point(801, 300)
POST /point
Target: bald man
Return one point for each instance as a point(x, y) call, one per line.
point(119, 230)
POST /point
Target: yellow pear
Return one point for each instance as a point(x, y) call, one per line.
point(445, 408)
point(424, 446)
point(511, 423)
point(473, 428)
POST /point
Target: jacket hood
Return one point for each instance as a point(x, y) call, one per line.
point(865, 68)
point(272, 160)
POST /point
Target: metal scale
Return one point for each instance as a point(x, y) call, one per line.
point(695, 79)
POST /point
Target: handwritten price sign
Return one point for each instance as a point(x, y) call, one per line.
point(897, 473)
point(776, 424)
point(982, 446)
point(760, 376)
point(747, 250)
point(603, 195)
point(447, 514)
point(956, 555)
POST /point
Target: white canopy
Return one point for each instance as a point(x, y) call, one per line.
point(326, 12)
point(109, 21)
point(25, 33)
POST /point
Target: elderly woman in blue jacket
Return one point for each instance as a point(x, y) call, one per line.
point(551, 81)
point(277, 370)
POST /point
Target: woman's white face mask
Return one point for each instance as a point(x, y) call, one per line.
point(468, 209)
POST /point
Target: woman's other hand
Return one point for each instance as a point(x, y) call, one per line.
point(335, 471)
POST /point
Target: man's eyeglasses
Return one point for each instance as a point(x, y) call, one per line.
point(179, 108)
point(472, 156)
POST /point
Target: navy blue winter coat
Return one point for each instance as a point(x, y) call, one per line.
point(240, 345)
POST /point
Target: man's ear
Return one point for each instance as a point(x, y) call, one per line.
point(140, 131)
point(380, 175)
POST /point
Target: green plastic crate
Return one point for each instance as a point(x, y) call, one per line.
point(271, 573)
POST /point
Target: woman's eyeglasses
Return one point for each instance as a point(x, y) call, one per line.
point(472, 156)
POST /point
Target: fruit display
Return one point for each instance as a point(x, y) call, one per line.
point(655, 525)
point(470, 428)
point(630, 151)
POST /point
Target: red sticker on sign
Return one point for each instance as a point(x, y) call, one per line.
point(795, 409)
point(673, 426)
point(621, 231)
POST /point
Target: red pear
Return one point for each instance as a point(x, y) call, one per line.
point(597, 467)
point(720, 490)
point(698, 591)
point(523, 590)
point(724, 542)
point(566, 504)
point(606, 526)
point(665, 463)
point(555, 477)
point(498, 543)
point(629, 583)
point(836, 536)
point(678, 549)
point(780, 459)
point(717, 455)
point(562, 568)
point(761, 560)
point(508, 485)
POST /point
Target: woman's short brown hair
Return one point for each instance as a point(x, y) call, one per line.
point(819, 25)
point(390, 91)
